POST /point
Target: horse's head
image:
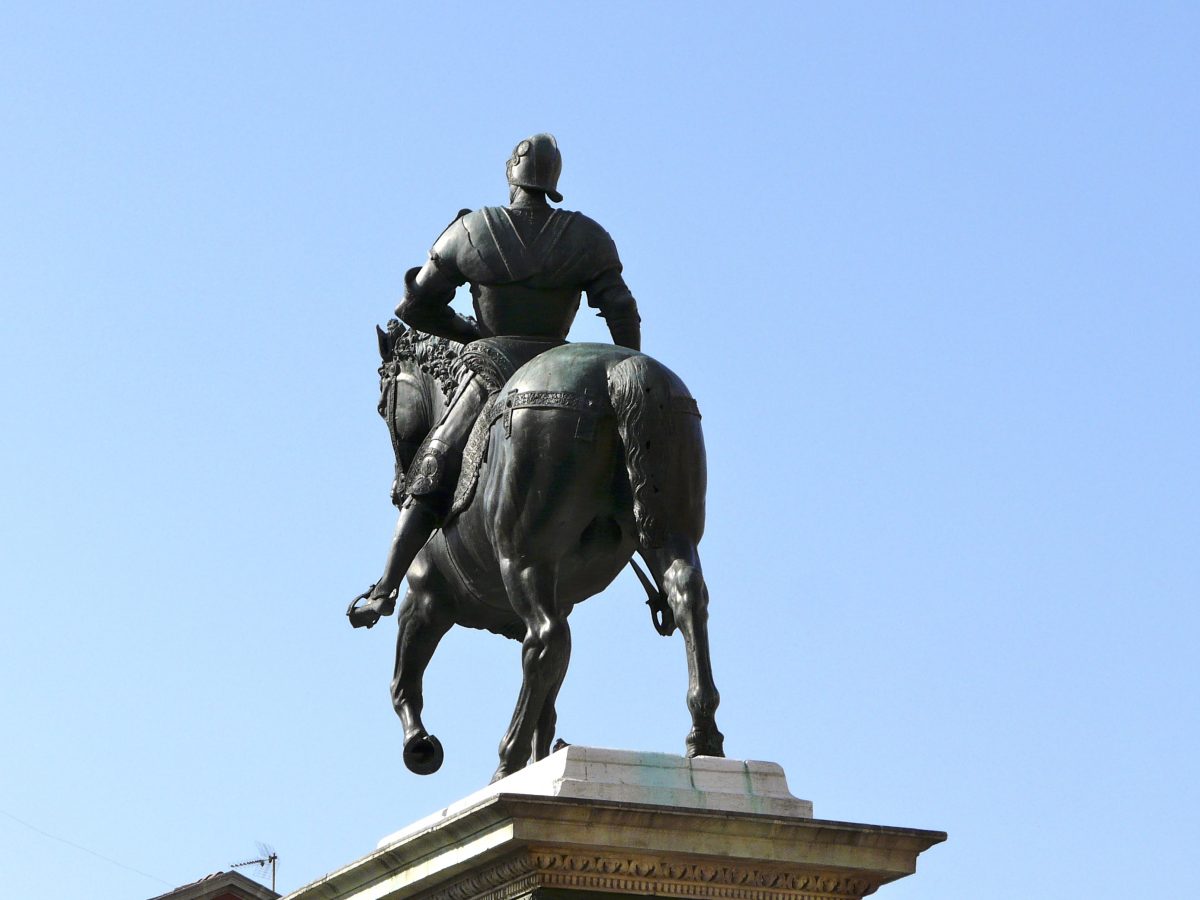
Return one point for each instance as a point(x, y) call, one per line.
point(417, 376)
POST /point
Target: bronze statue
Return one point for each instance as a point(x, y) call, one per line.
point(538, 467)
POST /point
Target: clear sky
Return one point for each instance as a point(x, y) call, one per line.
point(930, 269)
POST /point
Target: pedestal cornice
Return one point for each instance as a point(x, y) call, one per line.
point(512, 845)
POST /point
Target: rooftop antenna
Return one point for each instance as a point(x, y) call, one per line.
point(267, 855)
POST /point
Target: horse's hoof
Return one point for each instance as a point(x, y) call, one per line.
point(369, 613)
point(705, 743)
point(423, 754)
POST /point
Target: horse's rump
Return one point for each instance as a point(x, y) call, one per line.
point(654, 414)
point(522, 373)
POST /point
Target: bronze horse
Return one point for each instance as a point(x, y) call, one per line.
point(594, 452)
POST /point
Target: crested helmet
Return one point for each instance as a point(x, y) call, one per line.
point(535, 164)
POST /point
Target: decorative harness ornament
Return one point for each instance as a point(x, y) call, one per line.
point(587, 408)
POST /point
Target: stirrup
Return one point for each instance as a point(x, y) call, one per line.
point(369, 613)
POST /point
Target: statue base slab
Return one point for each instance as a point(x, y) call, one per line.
point(586, 822)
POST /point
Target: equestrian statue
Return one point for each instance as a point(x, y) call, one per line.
point(529, 470)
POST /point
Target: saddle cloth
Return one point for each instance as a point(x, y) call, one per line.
point(493, 360)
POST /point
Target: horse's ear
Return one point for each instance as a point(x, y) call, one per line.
point(385, 351)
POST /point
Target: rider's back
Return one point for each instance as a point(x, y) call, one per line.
point(527, 267)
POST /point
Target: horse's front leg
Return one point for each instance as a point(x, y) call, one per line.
point(545, 652)
point(677, 568)
point(425, 617)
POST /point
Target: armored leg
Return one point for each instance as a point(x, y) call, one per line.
point(430, 487)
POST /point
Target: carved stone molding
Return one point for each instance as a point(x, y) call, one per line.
point(650, 875)
point(511, 877)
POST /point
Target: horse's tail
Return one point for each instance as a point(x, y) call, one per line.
point(664, 449)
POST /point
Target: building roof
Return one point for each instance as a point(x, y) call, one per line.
point(221, 886)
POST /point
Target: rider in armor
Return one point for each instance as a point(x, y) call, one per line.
point(527, 264)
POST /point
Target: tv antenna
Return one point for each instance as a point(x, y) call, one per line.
point(267, 856)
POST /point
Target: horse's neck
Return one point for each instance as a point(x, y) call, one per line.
point(433, 401)
point(438, 401)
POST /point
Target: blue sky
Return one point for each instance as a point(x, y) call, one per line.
point(930, 270)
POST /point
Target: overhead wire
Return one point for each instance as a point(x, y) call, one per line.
point(63, 840)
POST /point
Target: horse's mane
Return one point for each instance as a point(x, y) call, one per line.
point(437, 357)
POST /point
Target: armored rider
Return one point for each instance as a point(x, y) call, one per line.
point(527, 264)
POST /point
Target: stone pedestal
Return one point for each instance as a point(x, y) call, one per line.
point(590, 823)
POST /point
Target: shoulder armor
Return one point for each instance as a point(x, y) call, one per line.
point(452, 248)
point(585, 252)
point(447, 232)
point(499, 254)
point(604, 248)
point(478, 256)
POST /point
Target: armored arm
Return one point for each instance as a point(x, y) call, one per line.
point(607, 292)
point(611, 296)
point(426, 305)
point(428, 290)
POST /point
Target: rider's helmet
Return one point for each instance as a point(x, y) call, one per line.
point(536, 163)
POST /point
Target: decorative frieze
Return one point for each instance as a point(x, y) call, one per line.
point(504, 880)
point(649, 875)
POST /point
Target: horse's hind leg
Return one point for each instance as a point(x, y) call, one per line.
point(545, 651)
point(676, 567)
point(543, 732)
point(425, 617)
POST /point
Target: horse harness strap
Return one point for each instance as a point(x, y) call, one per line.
point(589, 409)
